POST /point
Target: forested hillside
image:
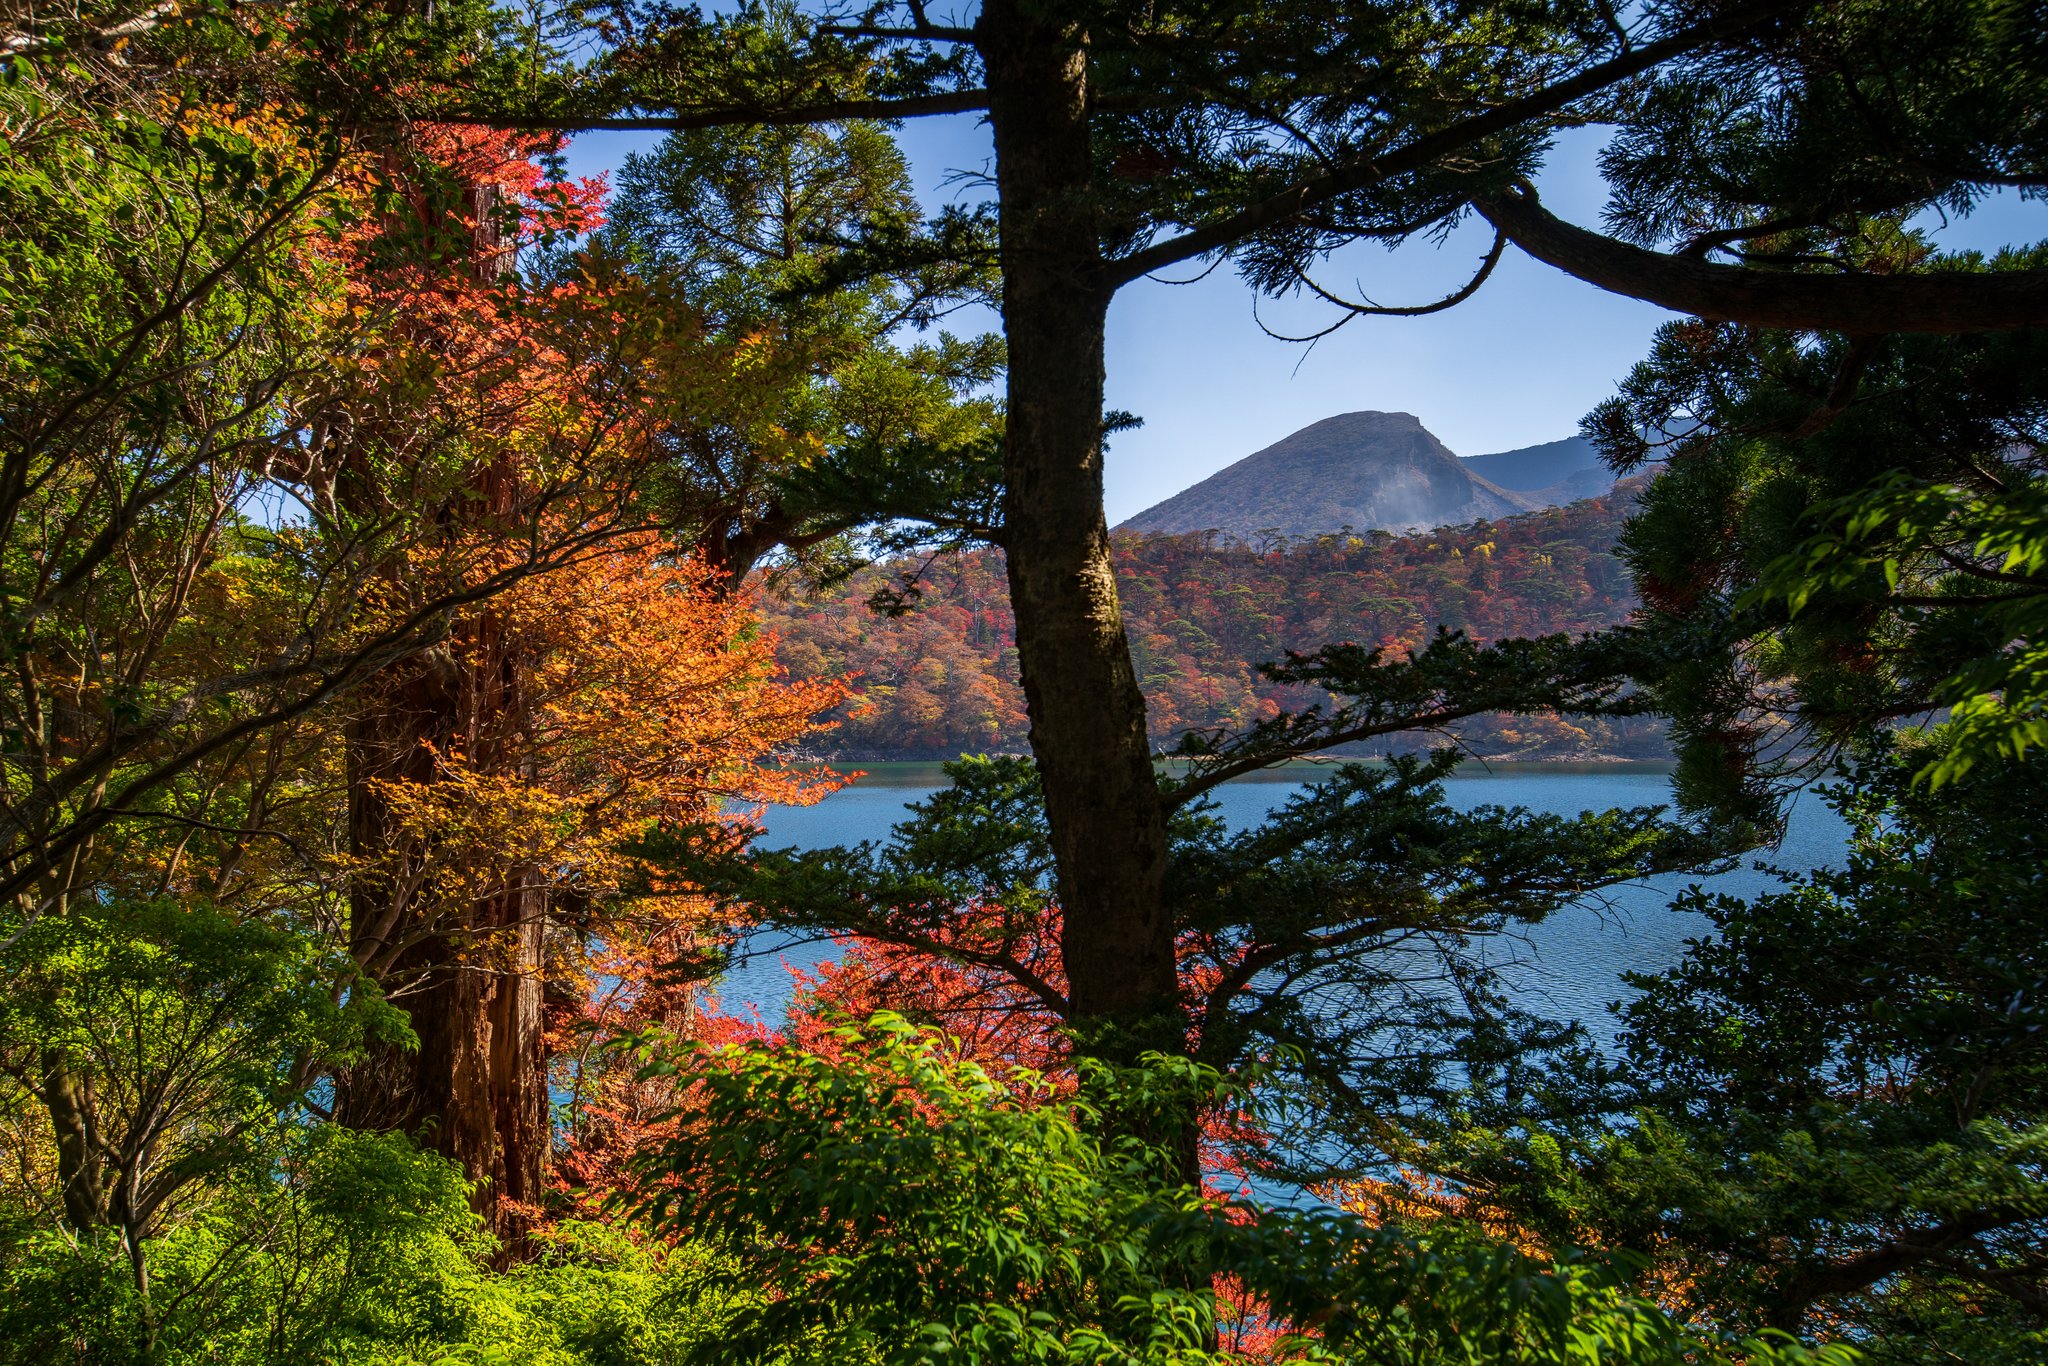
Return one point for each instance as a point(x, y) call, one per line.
point(1203, 611)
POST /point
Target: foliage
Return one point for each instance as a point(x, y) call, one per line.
point(1201, 111)
point(910, 1207)
point(1874, 519)
point(334, 612)
point(1202, 615)
point(362, 1249)
point(168, 1042)
point(354, 653)
point(648, 698)
point(245, 388)
point(1876, 111)
point(856, 428)
point(1867, 499)
point(164, 284)
point(308, 489)
point(1831, 1118)
point(1996, 704)
point(1836, 1127)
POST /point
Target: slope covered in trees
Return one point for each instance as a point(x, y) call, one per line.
point(1203, 612)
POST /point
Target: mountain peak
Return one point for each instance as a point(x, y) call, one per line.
point(1368, 417)
point(1364, 424)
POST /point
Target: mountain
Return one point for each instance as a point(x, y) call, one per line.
point(1537, 467)
point(1554, 473)
point(1375, 471)
point(1360, 470)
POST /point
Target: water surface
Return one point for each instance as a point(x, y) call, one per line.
point(1568, 967)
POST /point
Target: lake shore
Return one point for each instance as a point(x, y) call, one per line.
point(931, 772)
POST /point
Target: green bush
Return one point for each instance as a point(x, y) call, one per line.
point(903, 1206)
point(362, 1249)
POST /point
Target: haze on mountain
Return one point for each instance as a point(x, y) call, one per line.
point(1374, 471)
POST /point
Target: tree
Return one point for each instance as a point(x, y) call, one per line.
point(1127, 143)
point(645, 699)
point(755, 228)
point(1873, 484)
point(282, 427)
point(1875, 536)
point(185, 348)
point(1839, 562)
point(1799, 120)
point(167, 287)
point(218, 444)
point(490, 780)
point(1831, 1116)
point(168, 1043)
point(522, 400)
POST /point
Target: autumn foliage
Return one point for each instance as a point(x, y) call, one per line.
point(656, 701)
point(1203, 612)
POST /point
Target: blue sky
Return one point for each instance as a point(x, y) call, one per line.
point(1515, 365)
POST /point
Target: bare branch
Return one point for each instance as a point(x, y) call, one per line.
point(918, 33)
point(1369, 309)
point(830, 111)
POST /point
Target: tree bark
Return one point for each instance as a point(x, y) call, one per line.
point(1087, 713)
point(475, 1088)
point(1859, 305)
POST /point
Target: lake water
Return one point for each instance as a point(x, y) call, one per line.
point(1568, 967)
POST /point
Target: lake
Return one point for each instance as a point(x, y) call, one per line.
point(1568, 967)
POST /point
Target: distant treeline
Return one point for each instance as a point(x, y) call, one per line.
point(1203, 611)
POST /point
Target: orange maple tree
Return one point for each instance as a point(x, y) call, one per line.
point(647, 699)
point(588, 683)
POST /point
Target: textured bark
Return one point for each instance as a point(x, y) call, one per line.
point(475, 1089)
point(78, 1167)
point(1859, 305)
point(1087, 713)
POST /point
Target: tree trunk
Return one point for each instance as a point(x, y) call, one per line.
point(1087, 714)
point(78, 1166)
point(475, 1089)
point(519, 1065)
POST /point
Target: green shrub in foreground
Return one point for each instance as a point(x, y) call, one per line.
point(366, 1251)
point(903, 1206)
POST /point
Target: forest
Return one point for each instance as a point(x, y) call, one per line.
point(420, 566)
point(939, 678)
